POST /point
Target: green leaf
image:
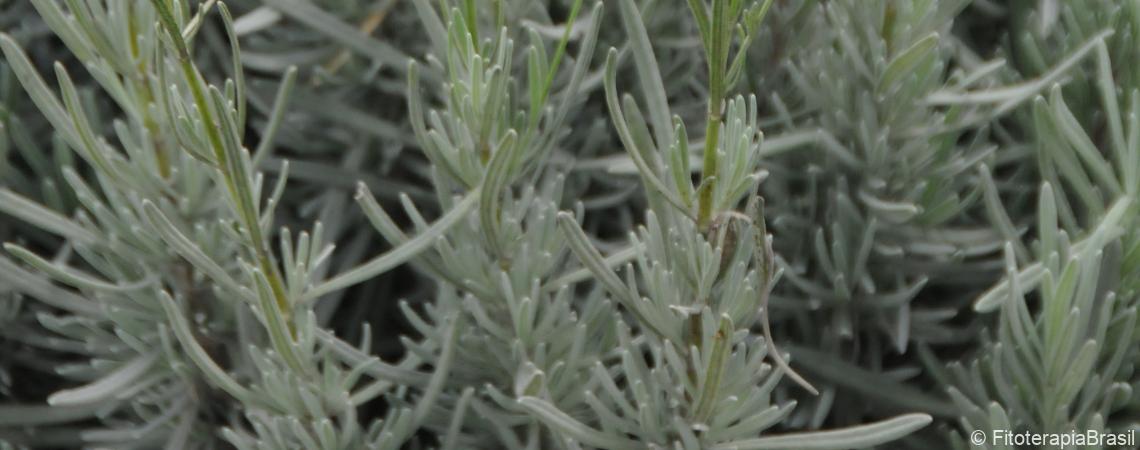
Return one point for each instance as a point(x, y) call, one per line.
point(905, 63)
point(397, 255)
point(43, 218)
point(861, 436)
point(627, 139)
point(871, 384)
point(564, 424)
point(579, 243)
point(18, 279)
point(188, 249)
point(108, 386)
point(1029, 276)
point(1047, 230)
point(276, 324)
point(496, 180)
point(701, 17)
point(648, 73)
point(210, 370)
point(997, 213)
point(1070, 129)
point(319, 20)
point(68, 275)
point(238, 73)
point(35, 87)
point(714, 371)
point(1010, 96)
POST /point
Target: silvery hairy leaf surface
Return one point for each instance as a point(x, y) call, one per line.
point(569, 224)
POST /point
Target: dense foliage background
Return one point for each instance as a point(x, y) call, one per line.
point(260, 224)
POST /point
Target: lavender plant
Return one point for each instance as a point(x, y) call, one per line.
point(532, 224)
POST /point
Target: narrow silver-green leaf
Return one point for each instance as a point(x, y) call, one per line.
point(398, 255)
point(563, 423)
point(861, 436)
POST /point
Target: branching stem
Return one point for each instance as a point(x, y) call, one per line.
point(229, 165)
point(716, 49)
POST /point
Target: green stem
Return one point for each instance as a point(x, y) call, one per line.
point(246, 206)
point(709, 169)
point(717, 53)
point(246, 210)
point(160, 157)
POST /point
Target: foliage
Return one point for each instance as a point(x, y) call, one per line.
point(523, 224)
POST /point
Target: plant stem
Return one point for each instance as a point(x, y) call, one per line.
point(228, 166)
point(160, 157)
point(717, 53)
point(709, 169)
